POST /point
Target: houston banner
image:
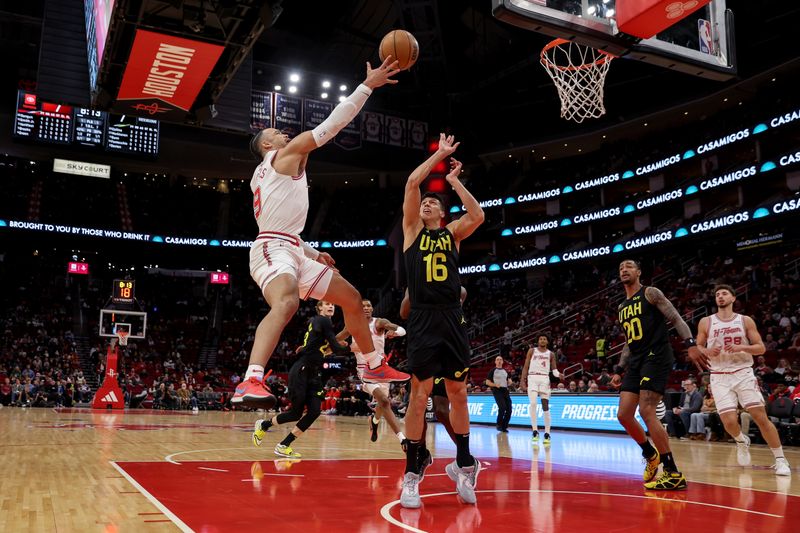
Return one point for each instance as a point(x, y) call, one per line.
point(164, 74)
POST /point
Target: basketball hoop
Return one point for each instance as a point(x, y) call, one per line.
point(123, 337)
point(579, 73)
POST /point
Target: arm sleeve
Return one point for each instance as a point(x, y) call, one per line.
point(341, 115)
point(657, 298)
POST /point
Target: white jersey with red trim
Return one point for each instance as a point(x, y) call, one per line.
point(540, 362)
point(378, 339)
point(725, 333)
point(280, 202)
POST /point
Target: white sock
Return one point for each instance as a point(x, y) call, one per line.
point(547, 421)
point(373, 359)
point(534, 412)
point(777, 452)
point(739, 437)
point(400, 436)
point(255, 371)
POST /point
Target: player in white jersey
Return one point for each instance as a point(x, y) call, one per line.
point(284, 267)
point(730, 341)
point(380, 329)
point(536, 371)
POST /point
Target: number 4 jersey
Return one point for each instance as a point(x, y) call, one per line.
point(432, 269)
point(644, 325)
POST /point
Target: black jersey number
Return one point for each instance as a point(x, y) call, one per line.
point(435, 270)
point(633, 329)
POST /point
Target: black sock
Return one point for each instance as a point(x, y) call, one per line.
point(288, 440)
point(412, 451)
point(668, 462)
point(647, 449)
point(463, 457)
point(266, 424)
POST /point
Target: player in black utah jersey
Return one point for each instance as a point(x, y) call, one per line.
point(305, 381)
point(437, 335)
point(647, 359)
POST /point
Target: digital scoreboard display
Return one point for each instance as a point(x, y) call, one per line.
point(89, 126)
point(124, 291)
point(132, 135)
point(48, 122)
point(42, 121)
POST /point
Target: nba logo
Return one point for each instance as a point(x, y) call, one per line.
point(704, 35)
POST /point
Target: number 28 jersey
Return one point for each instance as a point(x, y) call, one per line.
point(432, 269)
point(644, 325)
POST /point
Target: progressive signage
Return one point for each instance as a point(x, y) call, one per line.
point(567, 411)
point(164, 74)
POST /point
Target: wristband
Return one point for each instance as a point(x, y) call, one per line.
point(688, 343)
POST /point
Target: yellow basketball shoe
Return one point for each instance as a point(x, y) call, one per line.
point(286, 451)
point(651, 467)
point(667, 481)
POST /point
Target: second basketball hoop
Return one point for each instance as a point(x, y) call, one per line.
point(579, 74)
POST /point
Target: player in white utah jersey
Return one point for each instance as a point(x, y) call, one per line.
point(729, 341)
point(538, 363)
point(380, 329)
point(284, 267)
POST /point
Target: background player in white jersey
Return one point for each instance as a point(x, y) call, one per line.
point(380, 329)
point(284, 267)
point(731, 340)
point(536, 372)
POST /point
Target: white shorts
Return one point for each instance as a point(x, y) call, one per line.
point(730, 390)
point(279, 253)
point(540, 385)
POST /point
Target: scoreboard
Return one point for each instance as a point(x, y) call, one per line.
point(132, 135)
point(48, 122)
point(42, 121)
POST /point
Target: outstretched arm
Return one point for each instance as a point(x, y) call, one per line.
point(657, 298)
point(344, 112)
point(412, 195)
point(467, 224)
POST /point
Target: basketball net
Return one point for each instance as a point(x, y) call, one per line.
point(123, 337)
point(579, 73)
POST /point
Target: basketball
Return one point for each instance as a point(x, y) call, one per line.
point(402, 46)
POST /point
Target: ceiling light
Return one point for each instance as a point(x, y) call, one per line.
point(292, 89)
point(343, 87)
point(294, 78)
point(278, 87)
point(324, 95)
point(326, 84)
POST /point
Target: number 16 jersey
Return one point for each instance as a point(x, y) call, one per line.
point(644, 325)
point(432, 269)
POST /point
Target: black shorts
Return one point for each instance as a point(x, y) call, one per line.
point(305, 383)
point(438, 388)
point(438, 344)
point(649, 370)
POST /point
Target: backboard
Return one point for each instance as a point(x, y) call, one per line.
point(701, 44)
point(135, 322)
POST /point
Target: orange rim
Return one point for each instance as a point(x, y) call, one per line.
point(604, 57)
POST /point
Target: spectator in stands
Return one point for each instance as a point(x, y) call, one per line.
point(781, 391)
point(573, 387)
point(762, 369)
point(184, 396)
point(560, 388)
point(697, 423)
point(593, 387)
point(5, 392)
point(604, 379)
point(600, 350)
point(796, 395)
point(591, 359)
point(84, 391)
point(582, 386)
point(770, 343)
point(690, 402)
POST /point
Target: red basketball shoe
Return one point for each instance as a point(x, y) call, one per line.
point(383, 374)
point(253, 392)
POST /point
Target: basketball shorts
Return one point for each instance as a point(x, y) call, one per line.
point(649, 370)
point(438, 343)
point(439, 388)
point(276, 254)
point(305, 382)
point(539, 385)
point(734, 389)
